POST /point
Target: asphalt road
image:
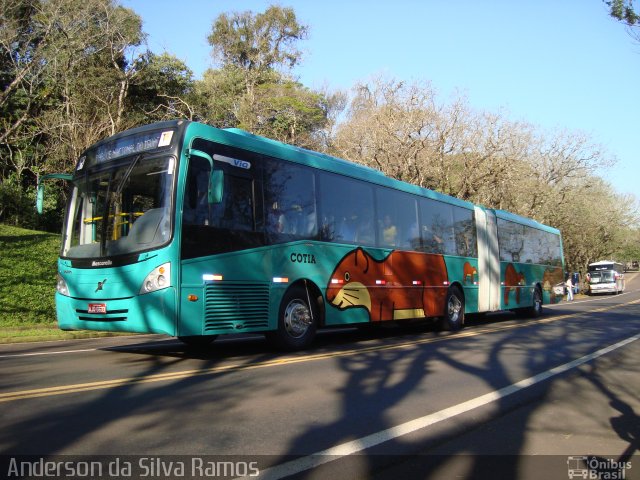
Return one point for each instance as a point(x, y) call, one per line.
point(503, 398)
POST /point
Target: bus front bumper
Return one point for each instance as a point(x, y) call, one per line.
point(150, 313)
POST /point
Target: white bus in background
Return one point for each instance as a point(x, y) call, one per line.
point(605, 276)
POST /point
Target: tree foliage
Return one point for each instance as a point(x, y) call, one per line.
point(72, 73)
point(403, 130)
point(258, 44)
point(624, 11)
point(252, 89)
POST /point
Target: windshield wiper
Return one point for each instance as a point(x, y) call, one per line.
point(127, 173)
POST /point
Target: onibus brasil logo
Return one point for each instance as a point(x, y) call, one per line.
point(596, 468)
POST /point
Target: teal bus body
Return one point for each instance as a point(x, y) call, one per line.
point(292, 240)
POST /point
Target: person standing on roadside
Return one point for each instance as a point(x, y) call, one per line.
point(569, 285)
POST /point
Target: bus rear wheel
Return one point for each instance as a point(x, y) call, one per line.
point(536, 308)
point(297, 321)
point(453, 310)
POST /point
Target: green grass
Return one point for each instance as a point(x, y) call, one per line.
point(28, 267)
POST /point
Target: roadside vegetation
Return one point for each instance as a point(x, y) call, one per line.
point(28, 265)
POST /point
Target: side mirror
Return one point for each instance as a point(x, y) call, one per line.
point(216, 186)
point(216, 180)
point(40, 198)
point(40, 189)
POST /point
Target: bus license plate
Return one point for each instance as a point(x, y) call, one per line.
point(97, 308)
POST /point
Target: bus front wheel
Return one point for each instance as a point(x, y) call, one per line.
point(453, 310)
point(297, 321)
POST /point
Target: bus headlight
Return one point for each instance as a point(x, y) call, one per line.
point(61, 286)
point(158, 279)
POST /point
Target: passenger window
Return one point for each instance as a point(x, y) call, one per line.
point(236, 210)
point(465, 232)
point(346, 211)
point(196, 207)
point(542, 247)
point(437, 227)
point(290, 207)
point(510, 240)
point(397, 220)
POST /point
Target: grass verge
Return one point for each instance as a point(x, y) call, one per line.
point(28, 266)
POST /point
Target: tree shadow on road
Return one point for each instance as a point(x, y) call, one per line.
point(381, 380)
point(381, 384)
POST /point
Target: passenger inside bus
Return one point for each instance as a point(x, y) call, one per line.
point(389, 232)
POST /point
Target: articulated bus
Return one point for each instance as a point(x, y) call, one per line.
point(182, 229)
point(605, 276)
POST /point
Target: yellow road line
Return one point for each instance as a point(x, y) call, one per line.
point(163, 377)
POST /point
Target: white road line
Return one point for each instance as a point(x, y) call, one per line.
point(334, 453)
point(57, 352)
point(80, 350)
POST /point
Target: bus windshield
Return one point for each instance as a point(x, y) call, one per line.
point(121, 208)
point(606, 276)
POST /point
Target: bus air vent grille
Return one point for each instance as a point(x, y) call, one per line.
point(238, 307)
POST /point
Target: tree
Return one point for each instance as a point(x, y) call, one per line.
point(257, 44)
point(162, 90)
point(253, 50)
point(252, 88)
point(623, 10)
point(391, 126)
point(218, 97)
point(73, 72)
point(67, 68)
point(24, 43)
point(404, 131)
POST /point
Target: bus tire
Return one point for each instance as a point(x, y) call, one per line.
point(535, 310)
point(453, 318)
point(198, 340)
point(297, 321)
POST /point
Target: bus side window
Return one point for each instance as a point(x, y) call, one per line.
point(236, 212)
point(510, 240)
point(196, 208)
point(290, 204)
point(397, 219)
point(465, 232)
point(436, 220)
point(346, 209)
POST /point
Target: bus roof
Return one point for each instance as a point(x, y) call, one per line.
point(338, 165)
point(525, 221)
point(603, 262)
point(274, 148)
point(323, 161)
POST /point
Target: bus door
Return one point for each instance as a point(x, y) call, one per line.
point(488, 261)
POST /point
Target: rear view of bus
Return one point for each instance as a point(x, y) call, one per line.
point(605, 277)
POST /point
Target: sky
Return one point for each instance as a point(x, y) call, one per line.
point(557, 64)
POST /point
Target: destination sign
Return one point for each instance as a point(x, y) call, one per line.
point(131, 145)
